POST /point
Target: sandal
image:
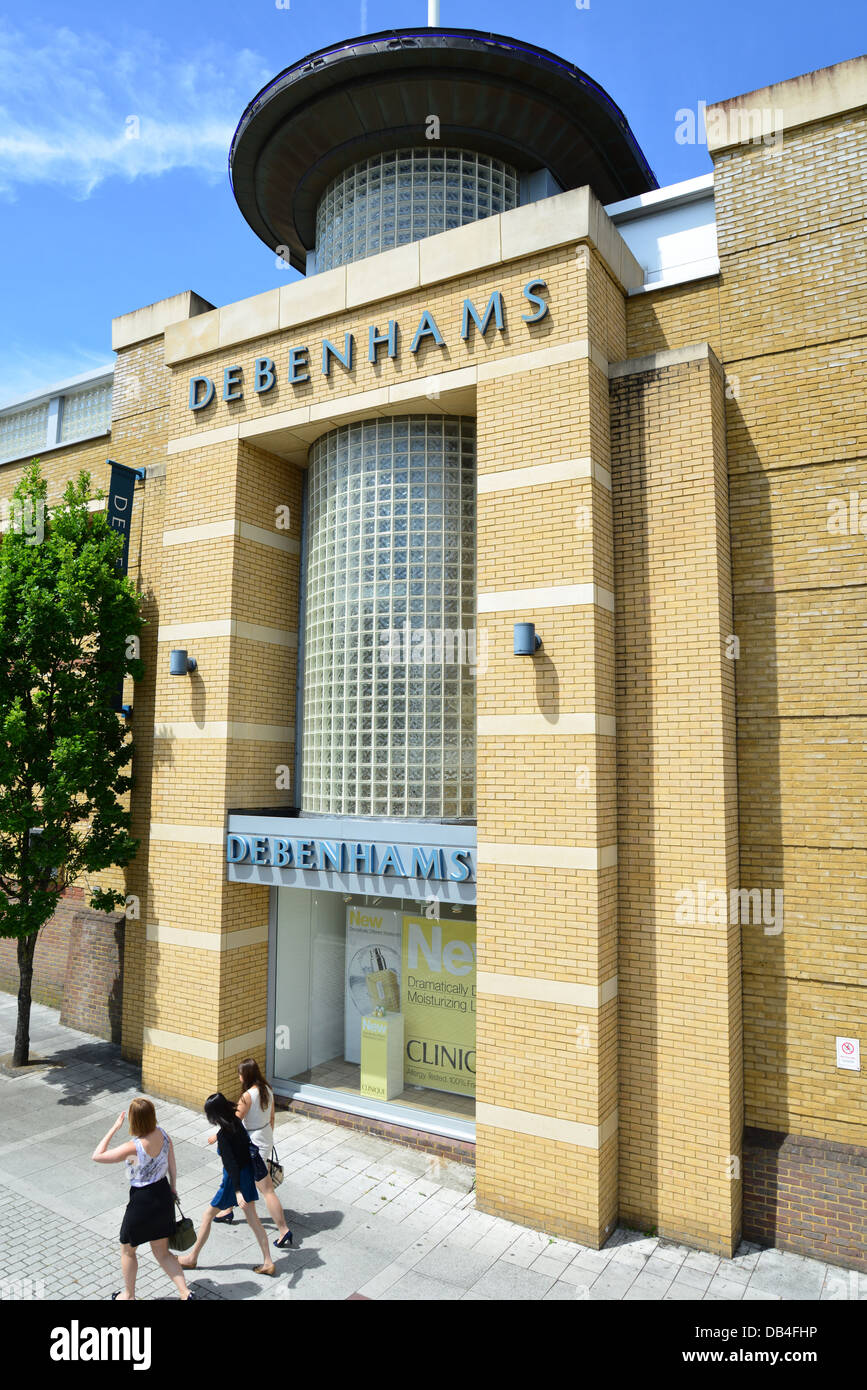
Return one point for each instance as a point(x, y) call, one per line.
point(284, 1242)
point(260, 1269)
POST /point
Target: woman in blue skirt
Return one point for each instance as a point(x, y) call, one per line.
point(238, 1183)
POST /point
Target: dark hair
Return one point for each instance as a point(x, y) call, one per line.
point(222, 1112)
point(252, 1076)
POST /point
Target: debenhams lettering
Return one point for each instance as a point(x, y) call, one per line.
point(427, 330)
point(351, 856)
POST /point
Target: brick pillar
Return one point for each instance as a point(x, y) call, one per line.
point(547, 1008)
point(230, 597)
point(680, 985)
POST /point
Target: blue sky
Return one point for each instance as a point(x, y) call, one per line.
point(100, 213)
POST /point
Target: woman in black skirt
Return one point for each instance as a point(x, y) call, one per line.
point(150, 1212)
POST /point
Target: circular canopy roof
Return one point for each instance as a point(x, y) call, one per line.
point(495, 95)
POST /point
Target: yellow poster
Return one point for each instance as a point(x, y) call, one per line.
point(438, 987)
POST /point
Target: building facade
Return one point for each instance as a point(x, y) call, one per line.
point(596, 906)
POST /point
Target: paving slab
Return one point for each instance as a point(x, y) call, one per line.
point(426, 1241)
point(511, 1281)
point(454, 1265)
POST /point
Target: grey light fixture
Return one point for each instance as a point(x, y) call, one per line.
point(527, 640)
point(180, 664)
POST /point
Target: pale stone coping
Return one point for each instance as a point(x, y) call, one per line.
point(657, 361)
point(188, 834)
point(224, 729)
point(313, 297)
point(657, 199)
point(706, 269)
point(531, 856)
point(546, 991)
point(199, 1047)
point(587, 722)
point(308, 422)
point(609, 990)
point(228, 627)
point(540, 474)
point(214, 530)
point(153, 319)
point(205, 940)
point(200, 441)
point(580, 1136)
point(436, 384)
point(249, 318)
point(543, 357)
point(557, 596)
point(565, 218)
point(386, 274)
point(814, 96)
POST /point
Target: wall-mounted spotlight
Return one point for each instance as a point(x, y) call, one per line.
point(527, 640)
point(180, 664)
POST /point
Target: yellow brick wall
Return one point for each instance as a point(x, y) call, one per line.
point(792, 307)
point(679, 982)
point(673, 318)
point(537, 1058)
point(197, 777)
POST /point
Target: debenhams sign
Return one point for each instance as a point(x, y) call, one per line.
point(264, 374)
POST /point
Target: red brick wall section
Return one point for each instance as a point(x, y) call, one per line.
point(52, 949)
point(806, 1195)
point(77, 967)
point(457, 1150)
point(93, 992)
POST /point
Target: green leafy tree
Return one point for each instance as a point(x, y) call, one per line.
point(67, 615)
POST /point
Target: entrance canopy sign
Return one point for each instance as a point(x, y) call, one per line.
point(424, 860)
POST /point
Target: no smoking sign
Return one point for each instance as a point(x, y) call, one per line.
point(849, 1054)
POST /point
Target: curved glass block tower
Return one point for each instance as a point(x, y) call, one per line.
point(389, 649)
point(333, 162)
point(404, 195)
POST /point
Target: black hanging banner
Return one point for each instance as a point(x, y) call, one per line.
point(120, 494)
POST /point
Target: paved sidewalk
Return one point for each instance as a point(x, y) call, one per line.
point(368, 1217)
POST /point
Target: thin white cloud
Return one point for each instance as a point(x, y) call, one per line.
point(76, 110)
point(25, 372)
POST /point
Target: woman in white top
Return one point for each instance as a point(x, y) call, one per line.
point(255, 1109)
point(150, 1212)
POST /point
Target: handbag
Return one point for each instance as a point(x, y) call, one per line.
point(183, 1235)
point(275, 1168)
point(258, 1162)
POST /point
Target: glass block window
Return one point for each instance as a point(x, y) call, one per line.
point(405, 195)
point(23, 433)
point(390, 641)
point(86, 413)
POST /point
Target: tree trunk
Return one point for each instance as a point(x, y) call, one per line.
point(26, 949)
